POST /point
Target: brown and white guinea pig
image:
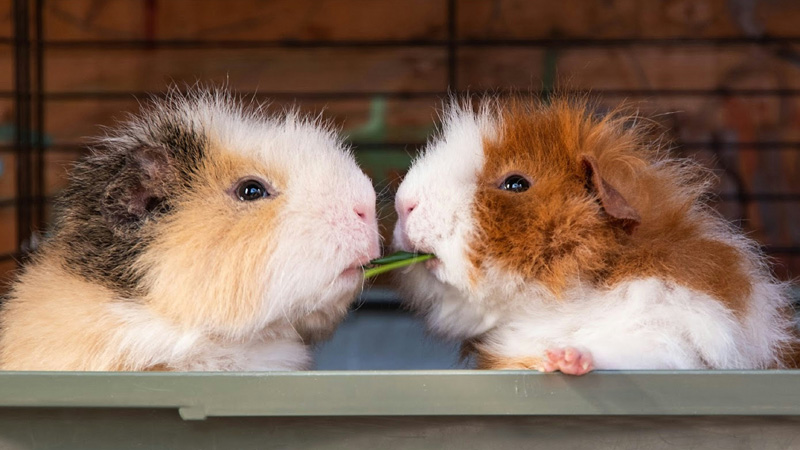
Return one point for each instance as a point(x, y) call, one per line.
point(203, 234)
point(568, 241)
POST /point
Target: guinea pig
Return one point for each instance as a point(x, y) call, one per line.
point(202, 234)
point(568, 240)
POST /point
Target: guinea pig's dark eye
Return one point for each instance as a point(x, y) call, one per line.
point(249, 190)
point(515, 183)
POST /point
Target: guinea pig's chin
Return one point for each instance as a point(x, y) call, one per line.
point(321, 291)
point(431, 272)
point(435, 268)
point(347, 284)
point(328, 301)
point(353, 273)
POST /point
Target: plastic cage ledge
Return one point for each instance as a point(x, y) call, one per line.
point(412, 393)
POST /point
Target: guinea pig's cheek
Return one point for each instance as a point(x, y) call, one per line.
point(357, 241)
point(418, 233)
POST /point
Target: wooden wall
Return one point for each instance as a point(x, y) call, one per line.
point(696, 66)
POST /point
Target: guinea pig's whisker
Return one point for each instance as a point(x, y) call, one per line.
point(384, 213)
point(384, 190)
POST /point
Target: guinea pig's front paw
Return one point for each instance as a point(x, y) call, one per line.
point(567, 360)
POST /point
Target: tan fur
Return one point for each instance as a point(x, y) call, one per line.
point(557, 231)
point(77, 320)
point(487, 361)
point(230, 258)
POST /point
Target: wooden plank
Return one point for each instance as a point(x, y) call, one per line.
point(5, 18)
point(246, 19)
point(8, 176)
point(8, 229)
point(78, 121)
point(769, 223)
point(8, 270)
point(670, 68)
point(787, 267)
point(56, 170)
point(399, 120)
point(6, 68)
point(416, 19)
point(625, 19)
point(272, 70)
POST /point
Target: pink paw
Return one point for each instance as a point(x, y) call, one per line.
point(567, 360)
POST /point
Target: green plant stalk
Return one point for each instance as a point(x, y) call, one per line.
point(396, 256)
point(375, 271)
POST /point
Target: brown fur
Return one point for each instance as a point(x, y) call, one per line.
point(558, 232)
point(486, 361)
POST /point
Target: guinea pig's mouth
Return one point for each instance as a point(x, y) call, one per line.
point(353, 270)
point(433, 264)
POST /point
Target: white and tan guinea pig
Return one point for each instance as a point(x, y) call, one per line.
point(568, 241)
point(203, 234)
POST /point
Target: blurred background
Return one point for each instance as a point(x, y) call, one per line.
point(722, 76)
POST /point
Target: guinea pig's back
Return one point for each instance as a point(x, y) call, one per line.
point(682, 240)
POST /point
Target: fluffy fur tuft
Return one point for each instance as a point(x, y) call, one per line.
point(611, 250)
point(155, 263)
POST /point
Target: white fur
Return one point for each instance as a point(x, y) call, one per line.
point(150, 341)
point(441, 182)
point(448, 311)
point(638, 324)
point(643, 324)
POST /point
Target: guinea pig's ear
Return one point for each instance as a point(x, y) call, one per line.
point(140, 188)
point(619, 211)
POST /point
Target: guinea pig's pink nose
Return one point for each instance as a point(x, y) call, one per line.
point(404, 207)
point(365, 212)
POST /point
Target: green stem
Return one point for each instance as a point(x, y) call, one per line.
point(375, 271)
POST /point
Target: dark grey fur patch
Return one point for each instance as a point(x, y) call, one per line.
point(104, 216)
